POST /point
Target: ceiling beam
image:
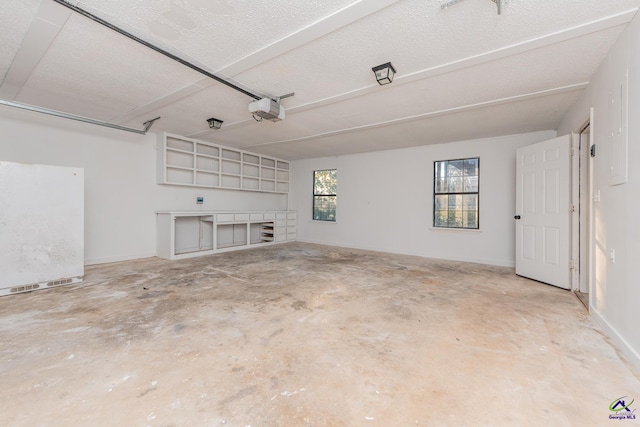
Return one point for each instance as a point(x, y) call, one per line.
point(483, 58)
point(460, 109)
point(48, 22)
point(112, 27)
point(343, 17)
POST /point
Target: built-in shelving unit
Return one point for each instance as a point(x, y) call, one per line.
point(189, 162)
point(185, 234)
point(266, 232)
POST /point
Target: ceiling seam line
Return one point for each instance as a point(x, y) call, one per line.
point(194, 67)
point(49, 44)
point(189, 89)
point(471, 61)
point(40, 20)
point(505, 52)
point(478, 59)
point(302, 33)
point(230, 69)
point(245, 122)
point(469, 107)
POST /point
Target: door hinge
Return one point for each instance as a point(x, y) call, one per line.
point(572, 265)
point(572, 208)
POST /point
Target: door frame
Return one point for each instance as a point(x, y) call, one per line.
point(578, 216)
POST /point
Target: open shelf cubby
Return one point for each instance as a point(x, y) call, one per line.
point(191, 162)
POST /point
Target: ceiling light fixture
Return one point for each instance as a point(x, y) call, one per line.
point(214, 123)
point(384, 73)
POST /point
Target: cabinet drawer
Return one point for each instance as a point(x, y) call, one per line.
point(291, 230)
point(224, 217)
point(291, 236)
point(281, 223)
point(292, 215)
point(241, 217)
point(256, 217)
point(281, 237)
point(281, 230)
point(269, 216)
point(281, 216)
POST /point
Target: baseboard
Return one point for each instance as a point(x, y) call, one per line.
point(107, 260)
point(485, 261)
point(631, 355)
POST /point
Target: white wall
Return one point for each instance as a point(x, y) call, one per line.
point(616, 295)
point(121, 194)
point(385, 201)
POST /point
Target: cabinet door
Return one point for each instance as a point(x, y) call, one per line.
point(224, 217)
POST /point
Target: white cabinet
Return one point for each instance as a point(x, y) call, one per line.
point(186, 234)
point(292, 224)
point(190, 162)
point(178, 236)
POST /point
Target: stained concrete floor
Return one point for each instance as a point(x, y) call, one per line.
point(305, 335)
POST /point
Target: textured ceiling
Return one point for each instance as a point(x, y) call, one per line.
point(15, 18)
point(464, 72)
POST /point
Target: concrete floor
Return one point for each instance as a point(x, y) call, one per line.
point(306, 335)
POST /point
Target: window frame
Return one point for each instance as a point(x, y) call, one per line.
point(454, 193)
point(314, 196)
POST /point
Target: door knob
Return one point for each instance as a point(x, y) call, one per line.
point(517, 217)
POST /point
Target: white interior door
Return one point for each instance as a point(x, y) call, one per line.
point(543, 211)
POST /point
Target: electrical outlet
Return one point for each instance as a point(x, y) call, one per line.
point(199, 200)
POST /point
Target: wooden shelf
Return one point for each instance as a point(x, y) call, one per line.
point(190, 162)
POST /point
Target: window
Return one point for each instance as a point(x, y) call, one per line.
point(455, 193)
point(325, 185)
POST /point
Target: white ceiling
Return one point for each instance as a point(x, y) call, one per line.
point(462, 73)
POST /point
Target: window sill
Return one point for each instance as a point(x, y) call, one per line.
point(457, 230)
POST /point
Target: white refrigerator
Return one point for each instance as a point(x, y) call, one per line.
point(41, 226)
